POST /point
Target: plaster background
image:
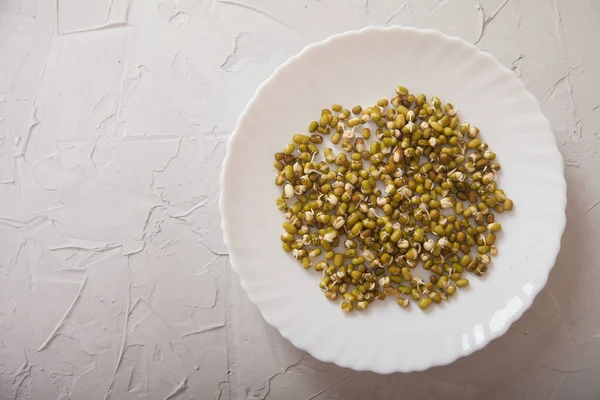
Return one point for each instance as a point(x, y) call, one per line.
point(114, 280)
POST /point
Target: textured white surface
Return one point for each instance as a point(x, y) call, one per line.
point(114, 281)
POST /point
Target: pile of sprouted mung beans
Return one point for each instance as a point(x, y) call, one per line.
point(406, 183)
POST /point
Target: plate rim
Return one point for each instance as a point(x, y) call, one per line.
point(501, 68)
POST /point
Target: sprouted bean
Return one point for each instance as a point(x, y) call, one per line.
point(409, 184)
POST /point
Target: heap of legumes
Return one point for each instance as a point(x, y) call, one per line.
point(408, 185)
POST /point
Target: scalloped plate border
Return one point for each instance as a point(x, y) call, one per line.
point(226, 221)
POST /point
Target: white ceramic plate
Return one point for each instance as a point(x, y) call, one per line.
point(359, 68)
